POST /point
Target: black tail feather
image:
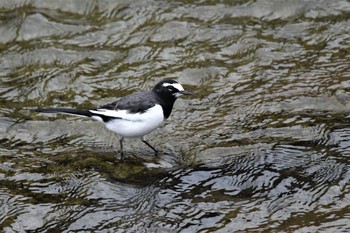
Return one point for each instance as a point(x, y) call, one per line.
point(86, 113)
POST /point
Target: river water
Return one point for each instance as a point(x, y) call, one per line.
point(262, 146)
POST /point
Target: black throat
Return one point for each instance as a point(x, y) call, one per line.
point(166, 100)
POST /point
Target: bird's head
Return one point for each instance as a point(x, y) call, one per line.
point(170, 88)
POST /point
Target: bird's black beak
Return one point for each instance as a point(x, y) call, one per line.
point(186, 92)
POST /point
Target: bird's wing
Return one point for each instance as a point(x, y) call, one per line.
point(126, 108)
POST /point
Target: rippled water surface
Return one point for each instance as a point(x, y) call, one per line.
point(264, 145)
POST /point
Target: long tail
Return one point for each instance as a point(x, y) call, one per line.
point(86, 113)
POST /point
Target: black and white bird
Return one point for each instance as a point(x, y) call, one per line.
point(134, 115)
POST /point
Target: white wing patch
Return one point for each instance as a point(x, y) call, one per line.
point(114, 113)
point(132, 124)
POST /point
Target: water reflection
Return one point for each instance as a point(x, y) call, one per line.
point(263, 146)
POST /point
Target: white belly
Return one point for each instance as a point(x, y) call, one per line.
point(137, 125)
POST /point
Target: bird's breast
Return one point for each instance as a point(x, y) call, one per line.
point(136, 124)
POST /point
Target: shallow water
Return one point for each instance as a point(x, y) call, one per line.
point(264, 145)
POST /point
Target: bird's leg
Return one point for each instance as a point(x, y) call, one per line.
point(144, 141)
point(121, 148)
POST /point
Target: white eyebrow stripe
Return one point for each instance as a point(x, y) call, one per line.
point(175, 85)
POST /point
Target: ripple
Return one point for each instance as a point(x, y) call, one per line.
point(262, 146)
point(37, 26)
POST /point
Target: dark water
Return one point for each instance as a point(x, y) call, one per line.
point(263, 146)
